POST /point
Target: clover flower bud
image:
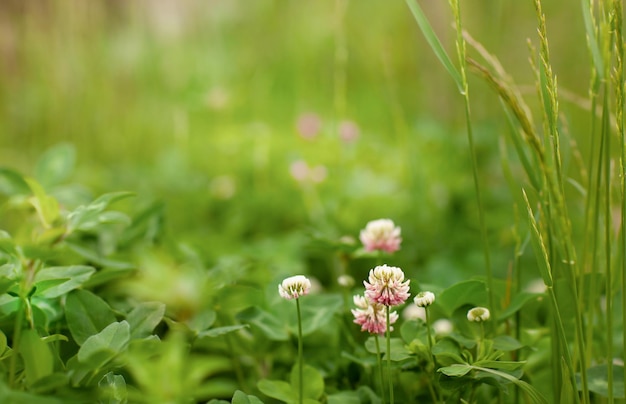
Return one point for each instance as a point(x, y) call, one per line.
point(424, 299)
point(294, 287)
point(478, 314)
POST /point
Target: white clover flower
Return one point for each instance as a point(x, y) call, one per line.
point(381, 234)
point(294, 287)
point(443, 326)
point(478, 314)
point(412, 312)
point(387, 286)
point(424, 299)
point(346, 281)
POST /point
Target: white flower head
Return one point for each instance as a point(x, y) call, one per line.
point(413, 312)
point(346, 281)
point(478, 314)
point(294, 287)
point(381, 234)
point(424, 299)
point(443, 326)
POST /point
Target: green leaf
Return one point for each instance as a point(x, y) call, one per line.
point(38, 360)
point(398, 349)
point(93, 215)
point(532, 393)
point(472, 292)
point(313, 381)
point(104, 346)
point(344, 397)
point(271, 326)
point(455, 370)
point(20, 397)
point(53, 282)
point(86, 314)
point(216, 332)
point(597, 380)
point(242, 398)
point(411, 330)
point(277, 389)
point(144, 318)
point(3, 343)
point(506, 343)
point(114, 388)
point(46, 206)
point(56, 165)
point(447, 351)
point(434, 42)
point(50, 383)
point(318, 311)
point(517, 303)
point(501, 365)
point(107, 275)
point(12, 183)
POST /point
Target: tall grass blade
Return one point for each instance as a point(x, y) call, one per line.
point(434, 42)
point(543, 261)
point(592, 37)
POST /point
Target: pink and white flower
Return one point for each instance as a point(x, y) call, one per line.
point(387, 286)
point(372, 317)
point(381, 234)
point(294, 287)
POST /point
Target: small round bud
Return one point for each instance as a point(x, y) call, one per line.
point(478, 314)
point(424, 299)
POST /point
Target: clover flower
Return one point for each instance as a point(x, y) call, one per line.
point(294, 287)
point(478, 314)
point(382, 235)
point(387, 286)
point(424, 299)
point(346, 281)
point(372, 316)
point(309, 125)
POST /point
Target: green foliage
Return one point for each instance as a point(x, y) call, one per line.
point(167, 292)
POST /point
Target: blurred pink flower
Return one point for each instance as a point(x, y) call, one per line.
point(348, 131)
point(294, 287)
point(372, 316)
point(301, 172)
point(308, 125)
point(387, 286)
point(381, 234)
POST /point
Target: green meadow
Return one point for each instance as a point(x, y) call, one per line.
point(166, 165)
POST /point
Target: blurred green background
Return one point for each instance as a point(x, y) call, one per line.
point(197, 104)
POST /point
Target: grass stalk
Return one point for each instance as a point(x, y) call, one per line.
point(619, 119)
point(620, 101)
point(461, 54)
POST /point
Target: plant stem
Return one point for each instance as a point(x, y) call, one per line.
point(17, 335)
point(380, 369)
point(460, 46)
point(389, 356)
point(300, 360)
point(433, 391)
